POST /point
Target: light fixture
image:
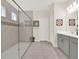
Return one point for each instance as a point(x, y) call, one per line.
point(72, 8)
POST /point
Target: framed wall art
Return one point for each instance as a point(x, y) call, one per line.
point(36, 23)
point(59, 22)
point(71, 22)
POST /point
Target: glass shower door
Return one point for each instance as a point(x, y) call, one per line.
point(9, 30)
point(25, 33)
point(17, 31)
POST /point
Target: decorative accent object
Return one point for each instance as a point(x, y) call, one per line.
point(36, 23)
point(71, 22)
point(59, 22)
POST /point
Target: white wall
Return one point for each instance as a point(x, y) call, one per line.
point(41, 33)
point(59, 13)
point(36, 29)
point(74, 15)
point(44, 29)
point(70, 2)
point(51, 23)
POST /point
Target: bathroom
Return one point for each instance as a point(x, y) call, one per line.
point(39, 29)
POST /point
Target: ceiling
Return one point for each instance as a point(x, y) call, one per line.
point(36, 4)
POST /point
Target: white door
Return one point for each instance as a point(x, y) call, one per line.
point(44, 29)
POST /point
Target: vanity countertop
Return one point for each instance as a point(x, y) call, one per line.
point(68, 34)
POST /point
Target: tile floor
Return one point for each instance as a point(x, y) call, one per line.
point(12, 53)
point(43, 50)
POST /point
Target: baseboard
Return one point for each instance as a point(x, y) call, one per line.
point(37, 41)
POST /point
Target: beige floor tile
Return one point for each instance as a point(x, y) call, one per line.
point(43, 50)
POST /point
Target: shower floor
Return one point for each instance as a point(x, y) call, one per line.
point(12, 53)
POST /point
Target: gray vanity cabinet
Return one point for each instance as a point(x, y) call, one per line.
point(63, 43)
point(69, 45)
point(66, 45)
point(60, 42)
point(73, 48)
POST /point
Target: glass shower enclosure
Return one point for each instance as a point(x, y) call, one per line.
point(16, 30)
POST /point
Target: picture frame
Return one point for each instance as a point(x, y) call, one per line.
point(71, 22)
point(59, 22)
point(36, 23)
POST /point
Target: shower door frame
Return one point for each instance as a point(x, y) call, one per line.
point(19, 30)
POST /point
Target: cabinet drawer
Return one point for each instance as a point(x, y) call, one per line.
point(62, 36)
point(74, 40)
point(59, 35)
